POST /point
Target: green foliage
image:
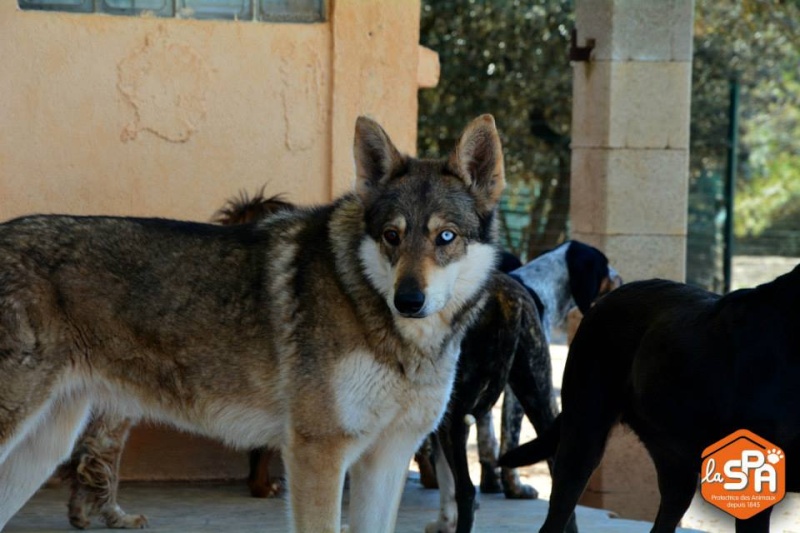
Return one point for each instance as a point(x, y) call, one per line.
point(506, 57)
point(769, 198)
point(509, 57)
point(758, 41)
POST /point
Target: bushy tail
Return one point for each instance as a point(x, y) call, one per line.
point(539, 449)
point(245, 209)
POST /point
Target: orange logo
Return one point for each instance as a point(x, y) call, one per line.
point(743, 474)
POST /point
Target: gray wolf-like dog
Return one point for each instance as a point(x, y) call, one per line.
point(331, 333)
point(683, 368)
point(93, 468)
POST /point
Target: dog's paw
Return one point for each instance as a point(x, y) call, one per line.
point(490, 481)
point(120, 520)
point(271, 490)
point(78, 514)
point(441, 526)
point(79, 521)
point(521, 492)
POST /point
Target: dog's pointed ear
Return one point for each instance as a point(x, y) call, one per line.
point(587, 267)
point(376, 157)
point(478, 160)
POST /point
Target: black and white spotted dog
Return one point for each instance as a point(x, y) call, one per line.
point(572, 275)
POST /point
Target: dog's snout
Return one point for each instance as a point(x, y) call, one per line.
point(409, 298)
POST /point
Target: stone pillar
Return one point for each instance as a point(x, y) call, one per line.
point(630, 162)
point(375, 58)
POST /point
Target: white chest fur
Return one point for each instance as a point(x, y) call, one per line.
point(369, 395)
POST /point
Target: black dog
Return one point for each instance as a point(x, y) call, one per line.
point(683, 368)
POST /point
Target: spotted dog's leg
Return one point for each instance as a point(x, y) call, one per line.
point(509, 439)
point(488, 450)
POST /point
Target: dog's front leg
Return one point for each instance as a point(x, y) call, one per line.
point(377, 480)
point(315, 471)
point(34, 459)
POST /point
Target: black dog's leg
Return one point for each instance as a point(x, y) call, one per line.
point(455, 450)
point(676, 483)
point(579, 453)
point(757, 524)
point(456, 491)
point(531, 379)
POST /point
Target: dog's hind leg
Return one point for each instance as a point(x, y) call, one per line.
point(456, 454)
point(511, 426)
point(579, 453)
point(43, 447)
point(448, 512)
point(427, 472)
point(757, 524)
point(677, 482)
point(457, 504)
point(377, 479)
point(258, 480)
point(93, 472)
point(488, 451)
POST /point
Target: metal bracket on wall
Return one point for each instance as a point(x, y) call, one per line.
point(579, 53)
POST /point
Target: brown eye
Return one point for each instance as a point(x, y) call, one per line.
point(445, 238)
point(391, 237)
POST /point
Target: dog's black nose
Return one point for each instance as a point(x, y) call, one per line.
point(409, 299)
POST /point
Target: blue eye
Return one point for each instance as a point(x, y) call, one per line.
point(445, 237)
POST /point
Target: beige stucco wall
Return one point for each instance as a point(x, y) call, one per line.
point(164, 117)
point(167, 117)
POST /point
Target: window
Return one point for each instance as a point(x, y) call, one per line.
point(264, 10)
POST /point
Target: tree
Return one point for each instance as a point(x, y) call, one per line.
point(759, 42)
point(509, 57)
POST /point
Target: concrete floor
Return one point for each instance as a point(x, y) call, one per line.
point(204, 507)
point(227, 508)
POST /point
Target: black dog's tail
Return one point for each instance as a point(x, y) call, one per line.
point(539, 449)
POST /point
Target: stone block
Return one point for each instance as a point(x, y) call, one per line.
point(428, 68)
point(638, 30)
point(629, 191)
point(641, 256)
point(625, 482)
point(631, 104)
